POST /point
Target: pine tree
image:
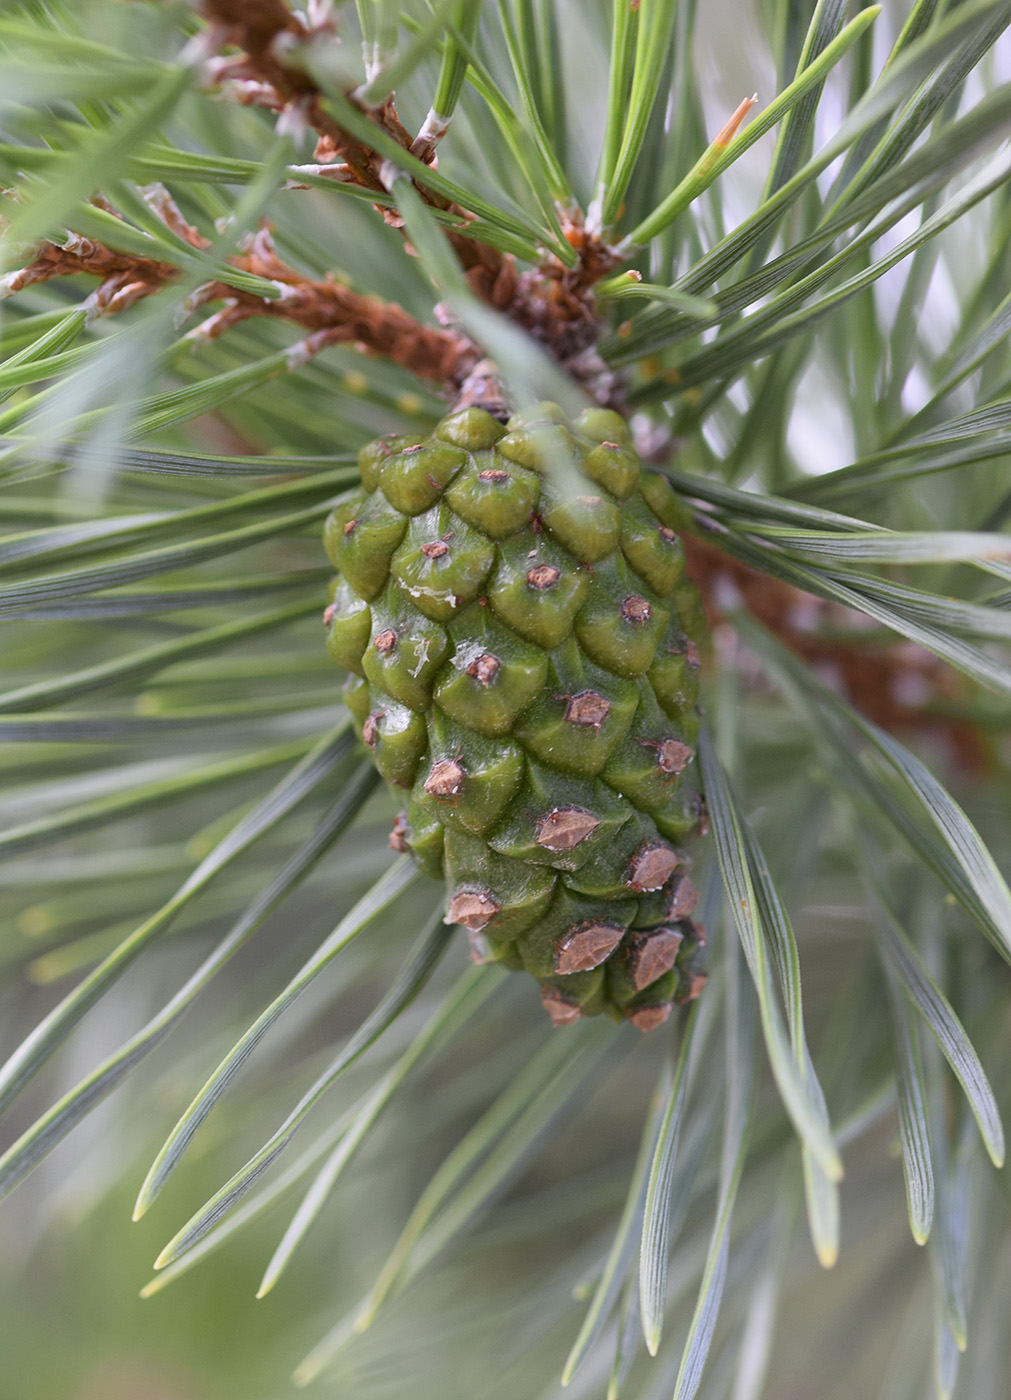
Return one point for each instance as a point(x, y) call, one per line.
point(242, 243)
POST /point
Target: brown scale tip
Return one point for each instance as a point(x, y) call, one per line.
point(493, 474)
point(349, 526)
point(666, 533)
point(651, 866)
point(652, 954)
point(473, 908)
point(435, 549)
point(386, 641)
point(370, 729)
point(409, 451)
point(673, 756)
point(614, 446)
point(684, 898)
point(589, 708)
point(692, 653)
point(647, 1018)
point(695, 984)
point(636, 609)
point(586, 945)
point(562, 1011)
point(543, 576)
point(400, 832)
point(328, 613)
point(446, 778)
point(588, 500)
point(484, 668)
point(564, 827)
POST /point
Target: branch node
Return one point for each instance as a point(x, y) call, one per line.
point(335, 170)
point(388, 174)
point(433, 129)
point(293, 120)
point(303, 350)
point(158, 199)
point(214, 326)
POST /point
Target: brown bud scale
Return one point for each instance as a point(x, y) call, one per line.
point(673, 756)
point(446, 778)
point(651, 866)
point(543, 576)
point(386, 641)
point(589, 708)
point(636, 609)
point(586, 946)
point(484, 668)
point(565, 827)
point(435, 549)
point(695, 984)
point(684, 898)
point(473, 908)
point(562, 1011)
point(652, 954)
point(648, 1018)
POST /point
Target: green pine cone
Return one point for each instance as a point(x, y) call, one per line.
point(511, 607)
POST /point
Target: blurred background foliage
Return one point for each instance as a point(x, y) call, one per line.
point(164, 674)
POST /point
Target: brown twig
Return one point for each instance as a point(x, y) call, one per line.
point(125, 278)
point(372, 325)
point(899, 686)
point(268, 33)
point(330, 312)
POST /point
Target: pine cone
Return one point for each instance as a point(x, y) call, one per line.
point(523, 656)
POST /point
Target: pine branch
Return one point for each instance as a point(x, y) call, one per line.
point(270, 37)
point(125, 277)
point(330, 311)
point(553, 302)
